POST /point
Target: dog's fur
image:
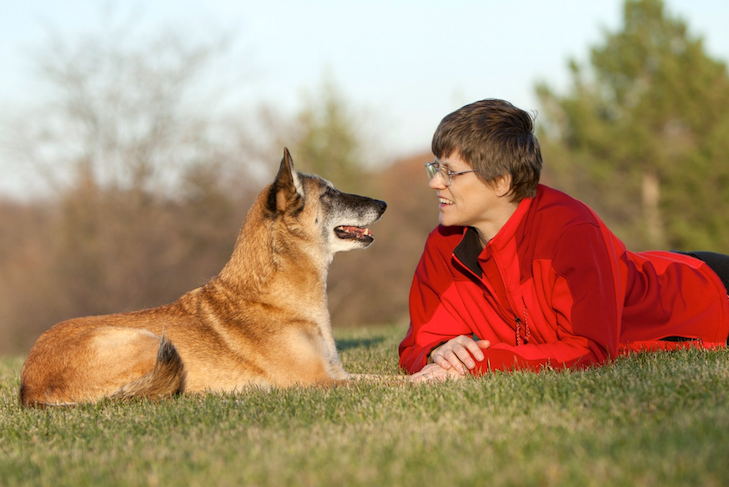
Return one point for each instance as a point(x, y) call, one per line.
point(263, 321)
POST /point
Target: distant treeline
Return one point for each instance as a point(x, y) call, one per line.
point(97, 251)
point(148, 187)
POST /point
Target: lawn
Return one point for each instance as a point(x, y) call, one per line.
point(651, 419)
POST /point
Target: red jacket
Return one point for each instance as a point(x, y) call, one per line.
point(555, 287)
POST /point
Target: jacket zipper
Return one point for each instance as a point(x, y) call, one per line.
point(517, 330)
point(527, 332)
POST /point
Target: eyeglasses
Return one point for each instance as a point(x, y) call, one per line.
point(433, 168)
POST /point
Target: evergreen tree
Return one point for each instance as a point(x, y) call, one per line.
point(640, 136)
point(328, 141)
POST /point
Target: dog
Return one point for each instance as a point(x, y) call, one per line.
point(263, 321)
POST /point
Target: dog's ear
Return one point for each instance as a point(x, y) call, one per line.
point(286, 189)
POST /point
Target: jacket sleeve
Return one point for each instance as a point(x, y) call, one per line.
point(585, 302)
point(434, 305)
point(567, 354)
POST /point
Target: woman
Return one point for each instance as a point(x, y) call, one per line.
point(521, 276)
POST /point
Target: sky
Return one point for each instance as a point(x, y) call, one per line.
point(404, 63)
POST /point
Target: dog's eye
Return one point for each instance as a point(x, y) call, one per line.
point(329, 191)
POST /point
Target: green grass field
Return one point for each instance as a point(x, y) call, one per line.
point(650, 420)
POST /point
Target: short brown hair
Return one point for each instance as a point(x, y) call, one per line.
point(495, 138)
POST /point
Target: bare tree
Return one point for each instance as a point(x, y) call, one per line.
point(148, 180)
point(123, 110)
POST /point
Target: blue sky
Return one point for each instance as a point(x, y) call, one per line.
point(407, 63)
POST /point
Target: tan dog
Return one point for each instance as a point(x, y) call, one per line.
point(263, 321)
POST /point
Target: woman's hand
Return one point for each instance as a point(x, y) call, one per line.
point(434, 372)
point(454, 354)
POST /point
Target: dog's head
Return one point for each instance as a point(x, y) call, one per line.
point(311, 208)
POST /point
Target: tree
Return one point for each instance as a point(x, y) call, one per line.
point(381, 276)
point(146, 191)
point(638, 136)
point(327, 139)
point(123, 110)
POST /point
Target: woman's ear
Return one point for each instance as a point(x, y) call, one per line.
point(502, 185)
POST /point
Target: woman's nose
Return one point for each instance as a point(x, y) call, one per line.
point(437, 182)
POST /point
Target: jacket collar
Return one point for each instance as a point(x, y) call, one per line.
point(468, 249)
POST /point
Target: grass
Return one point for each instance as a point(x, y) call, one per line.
point(651, 419)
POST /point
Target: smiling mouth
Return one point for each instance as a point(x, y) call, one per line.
point(444, 201)
point(346, 232)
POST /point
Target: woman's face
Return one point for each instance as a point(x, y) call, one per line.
point(468, 201)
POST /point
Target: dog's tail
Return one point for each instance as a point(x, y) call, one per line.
point(166, 379)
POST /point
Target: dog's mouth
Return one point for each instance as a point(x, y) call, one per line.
point(347, 232)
